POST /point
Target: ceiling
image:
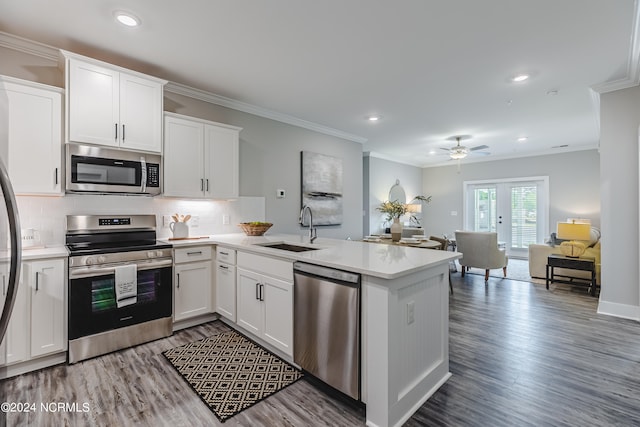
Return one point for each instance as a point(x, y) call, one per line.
point(432, 69)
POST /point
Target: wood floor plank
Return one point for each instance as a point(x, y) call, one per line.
point(520, 355)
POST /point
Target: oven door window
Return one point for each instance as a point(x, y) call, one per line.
point(98, 170)
point(93, 309)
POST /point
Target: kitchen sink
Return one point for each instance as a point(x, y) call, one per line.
point(287, 247)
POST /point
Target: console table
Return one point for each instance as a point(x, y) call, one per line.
point(583, 264)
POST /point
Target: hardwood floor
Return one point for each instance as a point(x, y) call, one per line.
point(520, 356)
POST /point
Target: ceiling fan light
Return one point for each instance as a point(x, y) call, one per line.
point(458, 152)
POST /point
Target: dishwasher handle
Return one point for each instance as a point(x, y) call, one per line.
point(326, 273)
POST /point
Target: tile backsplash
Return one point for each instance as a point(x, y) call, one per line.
point(48, 214)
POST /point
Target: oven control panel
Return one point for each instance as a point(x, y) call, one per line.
point(114, 221)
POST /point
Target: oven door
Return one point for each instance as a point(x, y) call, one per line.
point(92, 298)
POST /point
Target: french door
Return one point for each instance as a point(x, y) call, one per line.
point(517, 209)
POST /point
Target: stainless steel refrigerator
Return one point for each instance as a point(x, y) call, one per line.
point(10, 241)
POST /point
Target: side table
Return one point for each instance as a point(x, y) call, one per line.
point(582, 264)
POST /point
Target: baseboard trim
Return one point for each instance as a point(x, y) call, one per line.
point(624, 311)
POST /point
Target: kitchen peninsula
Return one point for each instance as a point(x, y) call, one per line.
point(404, 313)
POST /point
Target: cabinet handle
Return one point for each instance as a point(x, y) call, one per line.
point(122, 133)
point(224, 267)
point(194, 253)
point(201, 184)
point(4, 284)
point(37, 280)
point(116, 125)
point(261, 292)
point(257, 291)
point(178, 280)
point(224, 253)
point(56, 176)
point(207, 184)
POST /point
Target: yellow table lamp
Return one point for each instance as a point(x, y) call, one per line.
point(573, 231)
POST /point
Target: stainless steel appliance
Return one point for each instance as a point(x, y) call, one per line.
point(106, 170)
point(327, 325)
point(100, 245)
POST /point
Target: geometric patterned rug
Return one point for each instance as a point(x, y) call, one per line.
point(231, 373)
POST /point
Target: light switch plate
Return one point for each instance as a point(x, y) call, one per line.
point(225, 219)
point(166, 220)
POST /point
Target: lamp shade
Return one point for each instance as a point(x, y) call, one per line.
point(414, 208)
point(574, 231)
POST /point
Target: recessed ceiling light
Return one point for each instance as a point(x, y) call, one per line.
point(374, 118)
point(522, 139)
point(126, 18)
point(520, 78)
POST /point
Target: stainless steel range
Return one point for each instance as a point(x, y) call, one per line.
point(120, 283)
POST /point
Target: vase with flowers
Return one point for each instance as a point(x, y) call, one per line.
point(394, 210)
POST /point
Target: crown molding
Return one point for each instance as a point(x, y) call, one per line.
point(28, 46)
point(223, 101)
point(51, 53)
point(632, 77)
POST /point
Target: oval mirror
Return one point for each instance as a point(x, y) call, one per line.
point(397, 193)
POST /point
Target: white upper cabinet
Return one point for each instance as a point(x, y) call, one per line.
point(112, 106)
point(201, 158)
point(183, 163)
point(221, 153)
point(35, 136)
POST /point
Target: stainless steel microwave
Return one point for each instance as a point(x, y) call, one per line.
point(106, 170)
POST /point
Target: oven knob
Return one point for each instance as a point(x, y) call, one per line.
point(88, 260)
point(151, 254)
point(101, 259)
point(158, 253)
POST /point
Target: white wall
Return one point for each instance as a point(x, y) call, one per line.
point(620, 117)
point(574, 187)
point(380, 176)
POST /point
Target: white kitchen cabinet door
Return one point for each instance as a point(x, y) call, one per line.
point(16, 341)
point(249, 307)
point(278, 314)
point(221, 153)
point(183, 163)
point(47, 288)
point(226, 290)
point(93, 94)
point(192, 290)
point(112, 106)
point(140, 114)
point(35, 137)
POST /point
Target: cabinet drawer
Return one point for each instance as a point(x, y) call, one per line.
point(193, 253)
point(269, 266)
point(226, 255)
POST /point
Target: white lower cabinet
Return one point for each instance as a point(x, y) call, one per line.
point(192, 282)
point(38, 320)
point(226, 283)
point(47, 285)
point(265, 302)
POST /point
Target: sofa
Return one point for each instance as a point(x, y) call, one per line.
point(538, 254)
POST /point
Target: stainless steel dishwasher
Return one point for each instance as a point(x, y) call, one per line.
point(327, 325)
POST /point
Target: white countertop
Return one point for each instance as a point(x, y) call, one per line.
point(38, 253)
point(385, 261)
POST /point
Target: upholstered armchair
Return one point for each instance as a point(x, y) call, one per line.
point(480, 250)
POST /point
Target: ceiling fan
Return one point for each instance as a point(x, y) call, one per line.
point(460, 151)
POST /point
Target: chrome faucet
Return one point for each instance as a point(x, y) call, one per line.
point(313, 234)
